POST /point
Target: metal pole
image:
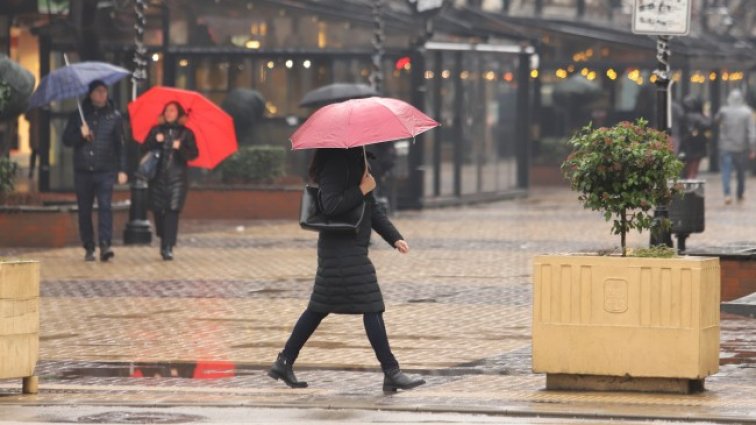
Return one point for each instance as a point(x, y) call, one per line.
point(715, 96)
point(438, 68)
point(45, 46)
point(379, 37)
point(660, 235)
point(138, 231)
point(140, 51)
point(523, 120)
point(416, 160)
point(458, 123)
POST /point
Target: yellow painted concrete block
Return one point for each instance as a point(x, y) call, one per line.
point(18, 355)
point(19, 279)
point(613, 316)
point(19, 318)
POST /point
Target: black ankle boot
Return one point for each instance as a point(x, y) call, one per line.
point(106, 252)
point(284, 370)
point(89, 254)
point(167, 253)
point(394, 380)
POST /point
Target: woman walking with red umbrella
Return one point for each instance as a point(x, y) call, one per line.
point(192, 132)
point(168, 189)
point(346, 281)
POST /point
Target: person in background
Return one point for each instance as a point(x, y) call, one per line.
point(737, 142)
point(695, 129)
point(169, 188)
point(99, 159)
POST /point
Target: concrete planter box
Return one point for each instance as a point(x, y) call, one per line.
point(19, 322)
point(612, 323)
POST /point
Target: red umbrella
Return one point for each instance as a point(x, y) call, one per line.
point(360, 122)
point(213, 128)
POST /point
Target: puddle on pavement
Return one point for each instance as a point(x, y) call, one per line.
point(139, 418)
point(188, 370)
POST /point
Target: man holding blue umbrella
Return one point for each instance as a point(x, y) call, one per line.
point(95, 132)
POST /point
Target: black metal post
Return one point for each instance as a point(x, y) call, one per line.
point(138, 231)
point(479, 137)
point(44, 118)
point(715, 90)
point(523, 121)
point(538, 11)
point(376, 72)
point(438, 68)
point(169, 63)
point(659, 233)
point(416, 151)
point(580, 9)
point(7, 35)
point(459, 122)
point(415, 160)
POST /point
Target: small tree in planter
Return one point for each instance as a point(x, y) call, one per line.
point(624, 323)
point(622, 171)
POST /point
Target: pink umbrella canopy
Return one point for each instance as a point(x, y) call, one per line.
point(361, 122)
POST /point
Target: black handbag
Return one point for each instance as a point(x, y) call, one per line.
point(148, 165)
point(311, 215)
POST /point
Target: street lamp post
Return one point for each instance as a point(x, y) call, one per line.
point(138, 231)
point(663, 19)
point(426, 10)
point(660, 234)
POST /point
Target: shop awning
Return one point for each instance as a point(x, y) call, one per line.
point(704, 46)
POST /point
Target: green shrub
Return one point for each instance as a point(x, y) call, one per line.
point(551, 151)
point(623, 171)
point(658, 251)
point(7, 175)
point(254, 164)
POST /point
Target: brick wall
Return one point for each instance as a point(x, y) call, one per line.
point(738, 277)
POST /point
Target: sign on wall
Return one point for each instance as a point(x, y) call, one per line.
point(661, 17)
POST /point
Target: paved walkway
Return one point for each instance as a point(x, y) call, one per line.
point(138, 330)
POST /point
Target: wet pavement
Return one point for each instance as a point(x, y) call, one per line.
point(200, 331)
point(282, 416)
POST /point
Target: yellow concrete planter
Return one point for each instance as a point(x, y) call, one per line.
point(19, 321)
point(606, 323)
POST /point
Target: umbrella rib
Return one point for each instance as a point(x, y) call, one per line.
point(395, 117)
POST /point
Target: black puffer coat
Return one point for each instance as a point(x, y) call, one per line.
point(169, 187)
point(106, 152)
point(695, 125)
point(346, 281)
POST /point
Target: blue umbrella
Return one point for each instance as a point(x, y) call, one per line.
point(73, 81)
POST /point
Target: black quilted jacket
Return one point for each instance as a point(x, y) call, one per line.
point(106, 152)
point(346, 281)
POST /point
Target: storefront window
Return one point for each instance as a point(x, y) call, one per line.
point(482, 121)
point(256, 26)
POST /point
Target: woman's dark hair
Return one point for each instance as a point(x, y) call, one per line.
point(316, 165)
point(181, 110)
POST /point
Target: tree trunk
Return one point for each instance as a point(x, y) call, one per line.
point(623, 233)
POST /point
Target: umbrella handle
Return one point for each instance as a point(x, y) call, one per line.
point(78, 103)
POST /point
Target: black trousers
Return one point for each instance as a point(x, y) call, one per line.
point(166, 227)
point(91, 185)
point(374, 327)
